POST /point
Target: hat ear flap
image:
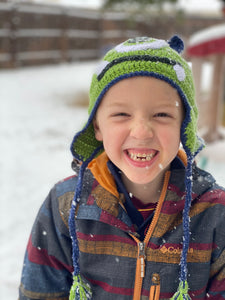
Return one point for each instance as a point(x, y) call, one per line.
point(176, 43)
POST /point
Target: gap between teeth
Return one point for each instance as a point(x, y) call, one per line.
point(141, 157)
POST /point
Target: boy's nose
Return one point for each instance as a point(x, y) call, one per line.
point(142, 129)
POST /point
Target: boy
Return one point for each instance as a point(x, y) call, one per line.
point(144, 221)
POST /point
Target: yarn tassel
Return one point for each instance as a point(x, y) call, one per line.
point(182, 292)
point(80, 290)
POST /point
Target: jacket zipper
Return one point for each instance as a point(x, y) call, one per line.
point(140, 265)
point(141, 256)
point(140, 269)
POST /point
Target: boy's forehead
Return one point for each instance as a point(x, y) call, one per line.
point(121, 92)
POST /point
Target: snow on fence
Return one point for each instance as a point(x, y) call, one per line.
point(32, 34)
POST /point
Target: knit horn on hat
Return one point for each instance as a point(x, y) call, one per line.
point(142, 56)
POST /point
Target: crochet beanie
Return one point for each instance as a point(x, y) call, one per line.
point(141, 56)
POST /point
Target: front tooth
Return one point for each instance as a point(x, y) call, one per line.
point(133, 156)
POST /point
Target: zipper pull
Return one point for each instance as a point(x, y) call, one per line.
point(141, 257)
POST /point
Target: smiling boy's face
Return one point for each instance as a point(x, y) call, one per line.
point(139, 121)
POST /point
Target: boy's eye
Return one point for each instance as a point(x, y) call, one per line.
point(121, 114)
point(162, 115)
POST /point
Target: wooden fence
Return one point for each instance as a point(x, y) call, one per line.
point(32, 34)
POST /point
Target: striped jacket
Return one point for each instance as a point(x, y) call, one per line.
point(113, 259)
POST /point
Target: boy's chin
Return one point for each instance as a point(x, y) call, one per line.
point(145, 177)
point(138, 180)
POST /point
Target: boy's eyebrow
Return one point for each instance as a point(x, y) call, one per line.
point(115, 104)
point(170, 105)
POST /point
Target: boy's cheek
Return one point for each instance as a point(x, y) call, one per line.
point(167, 136)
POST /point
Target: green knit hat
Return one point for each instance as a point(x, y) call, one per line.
point(142, 57)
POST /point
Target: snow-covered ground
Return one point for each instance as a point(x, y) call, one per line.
point(38, 119)
point(37, 123)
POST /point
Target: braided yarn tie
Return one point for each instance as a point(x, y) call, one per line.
point(80, 290)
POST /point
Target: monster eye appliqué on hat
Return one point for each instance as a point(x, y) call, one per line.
point(150, 57)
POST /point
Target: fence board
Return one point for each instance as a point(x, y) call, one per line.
point(39, 34)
